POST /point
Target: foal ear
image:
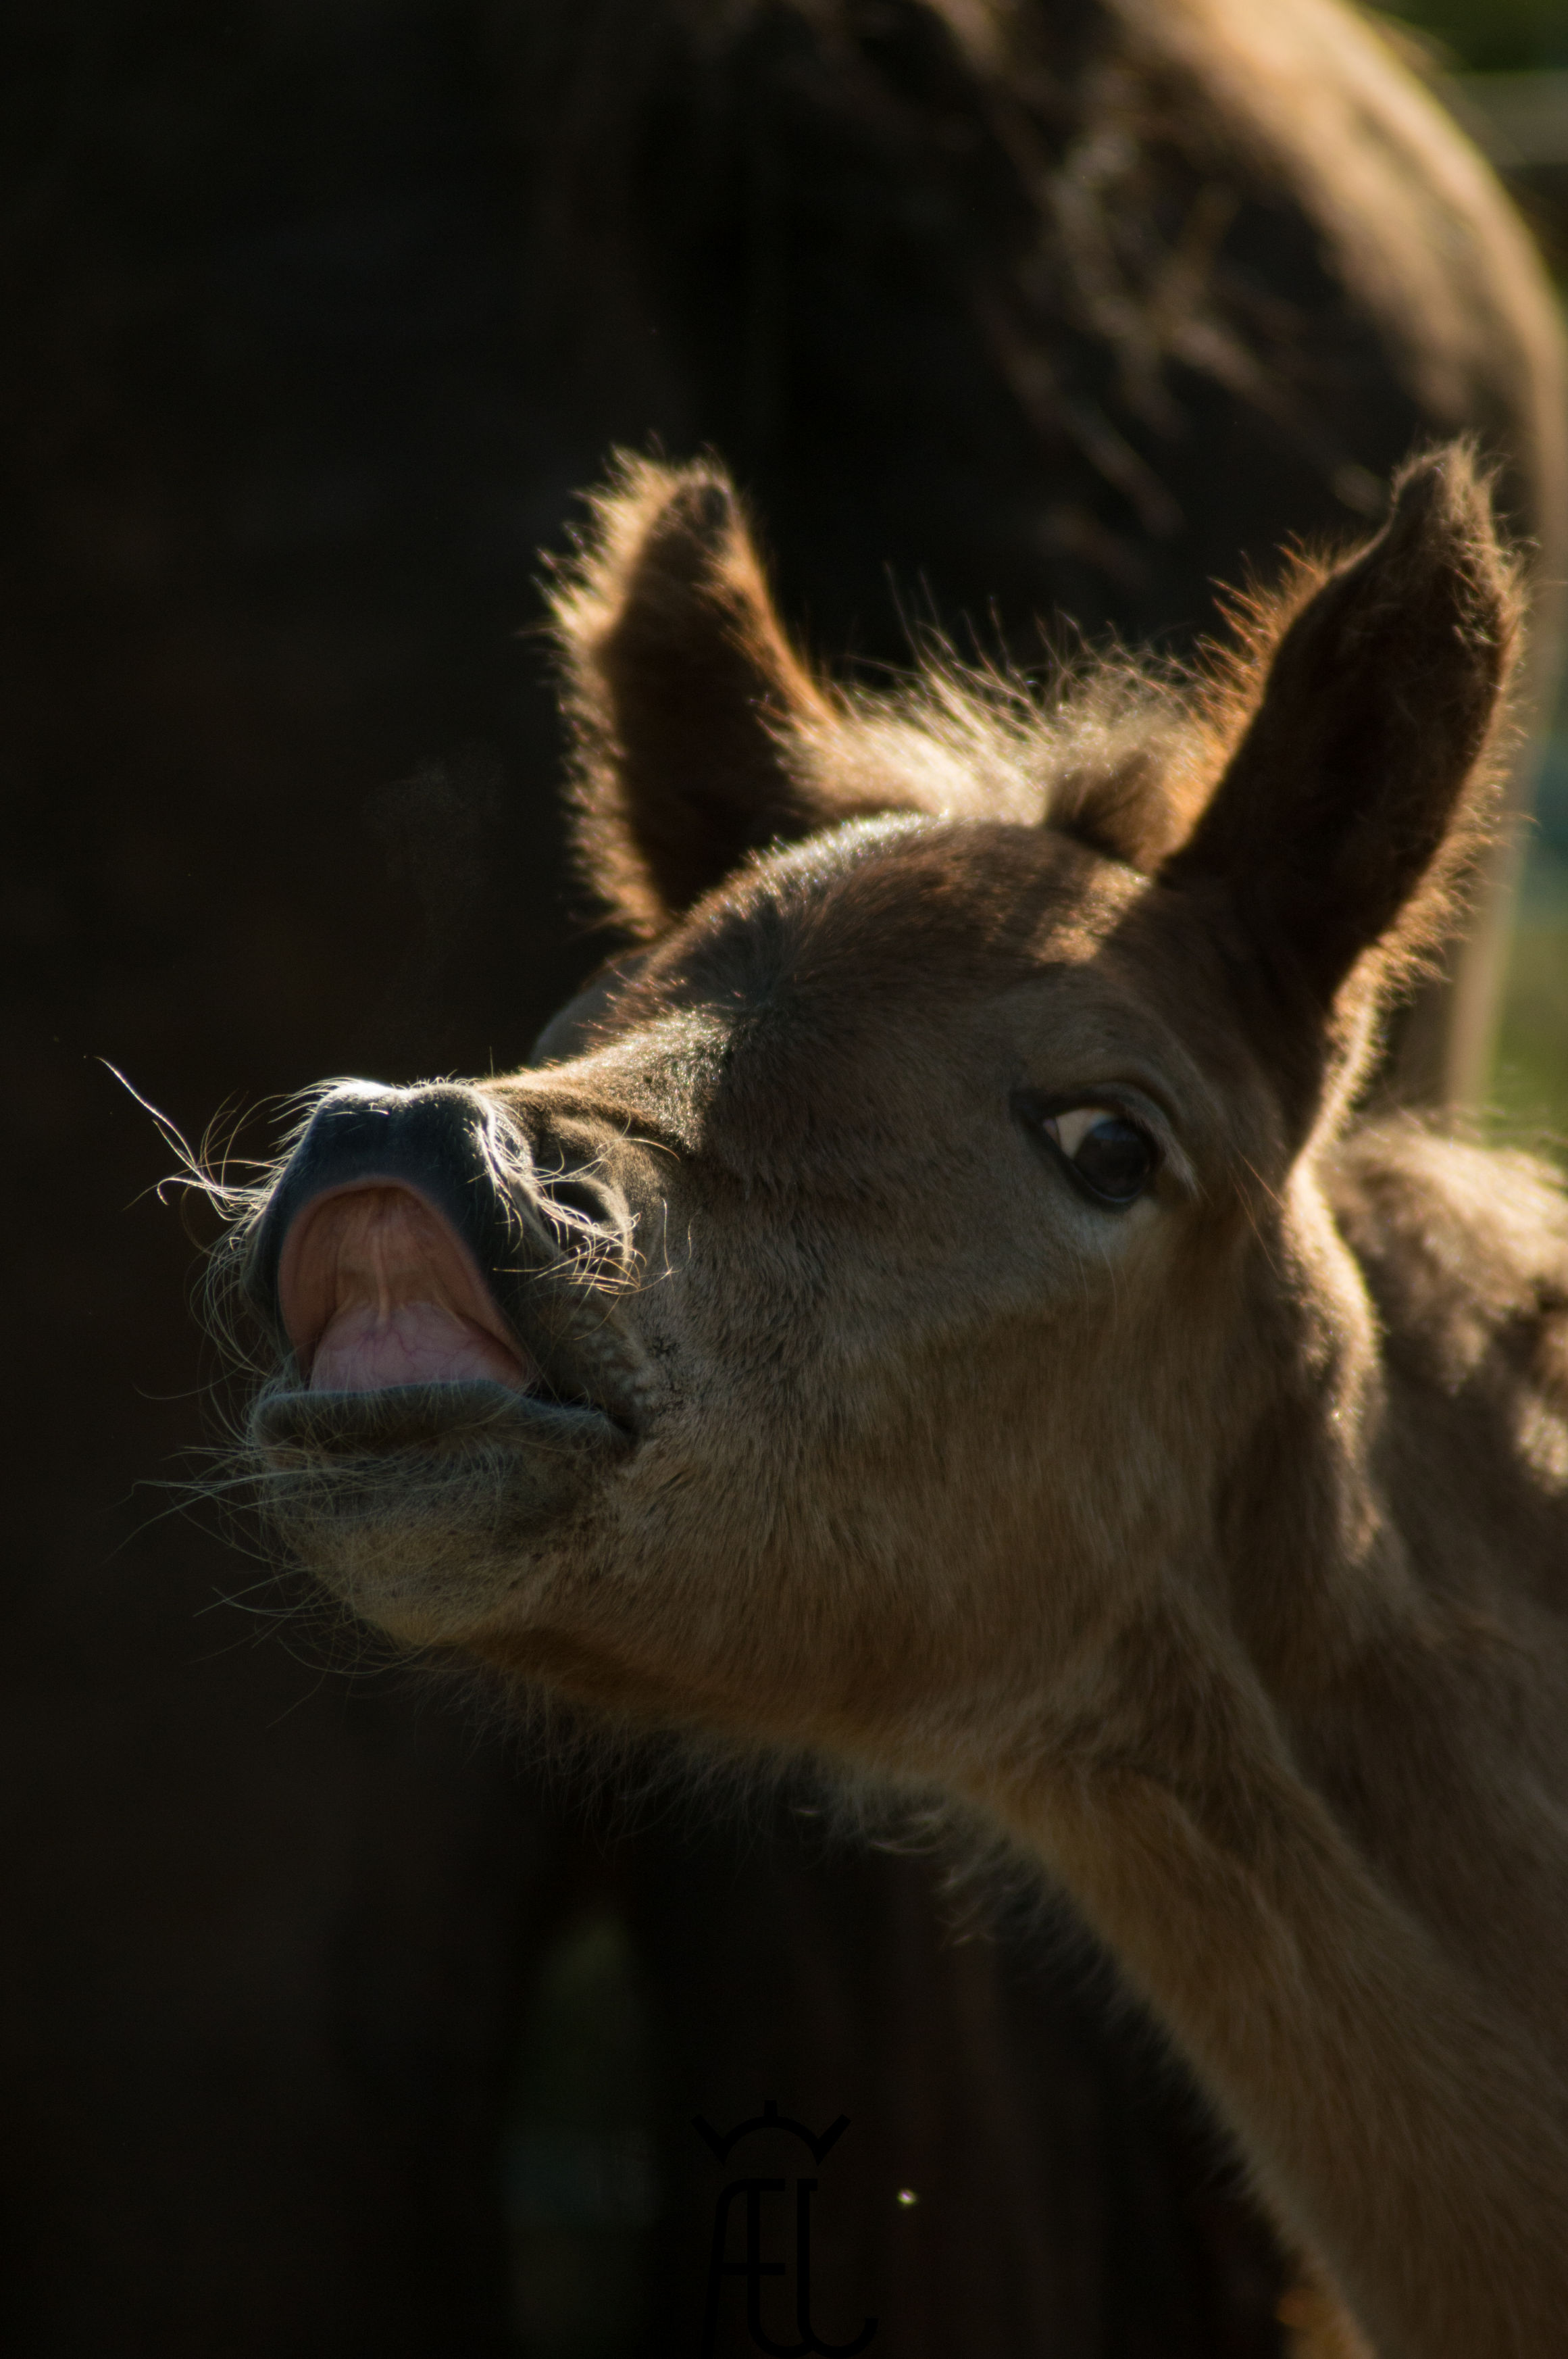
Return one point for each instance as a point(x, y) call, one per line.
point(1355, 786)
point(690, 709)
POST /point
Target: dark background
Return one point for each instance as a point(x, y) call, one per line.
point(328, 2022)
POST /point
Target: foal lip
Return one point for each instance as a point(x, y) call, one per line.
point(450, 1262)
point(438, 1419)
point(564, 1404)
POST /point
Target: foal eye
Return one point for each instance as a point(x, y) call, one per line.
point(1112, 1159)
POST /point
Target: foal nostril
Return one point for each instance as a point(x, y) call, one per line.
point(579, 1196)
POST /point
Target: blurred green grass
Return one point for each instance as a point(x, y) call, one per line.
point(1529, 1099)
point(1489, 36)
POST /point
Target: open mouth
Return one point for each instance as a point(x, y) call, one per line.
point(398, 1340)
point(376, 1289)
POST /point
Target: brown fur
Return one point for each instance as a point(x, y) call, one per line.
point(1214, 1546)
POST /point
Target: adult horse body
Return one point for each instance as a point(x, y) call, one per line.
point(1057, 314)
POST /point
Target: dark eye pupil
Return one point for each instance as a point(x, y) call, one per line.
point(1115, 1158)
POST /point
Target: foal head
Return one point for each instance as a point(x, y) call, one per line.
point(858, 1319)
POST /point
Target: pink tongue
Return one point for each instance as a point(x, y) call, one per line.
point(415, 1344)
point(377, 1289)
